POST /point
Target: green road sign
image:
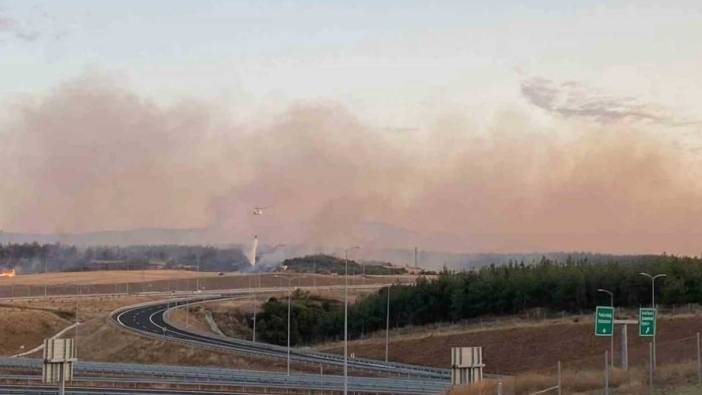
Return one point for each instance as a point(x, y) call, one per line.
point(604, 321)
point(647, 322)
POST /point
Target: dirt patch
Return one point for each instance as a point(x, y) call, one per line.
point(87, 307)
point(23, 329)
point(98, 340)
point(190, 318)
point(536, 347)
point(127, 347)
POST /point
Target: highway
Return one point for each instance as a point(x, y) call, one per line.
point(148, 319)
point(112, 374)
point(39, 389)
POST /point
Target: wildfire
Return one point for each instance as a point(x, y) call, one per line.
point(7, 273)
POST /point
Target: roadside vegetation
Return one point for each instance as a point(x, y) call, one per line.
point(327, 264)
point(313, 319)
point(671, 379)
point(568, 286)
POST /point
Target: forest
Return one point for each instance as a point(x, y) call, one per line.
point(558, 286)
point(35, 257)
point(328, 264)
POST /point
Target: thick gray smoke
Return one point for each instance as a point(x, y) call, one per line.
point(92, 155)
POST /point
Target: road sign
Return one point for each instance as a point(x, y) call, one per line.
point(59, 356)
point(604, 321)
point(647, 322)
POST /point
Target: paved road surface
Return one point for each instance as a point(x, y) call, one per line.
point(148, 319)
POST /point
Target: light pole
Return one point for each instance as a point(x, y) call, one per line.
point(387, 326)
point(197, 278)
point(255, 301)
point(289, 295)
point(653, 305)
point(611, 338)
point(346, 319)
point(46, 281)
point(290, 280)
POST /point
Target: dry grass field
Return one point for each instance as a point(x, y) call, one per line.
point(526, 350)
point(537, 346)
point(28, 321)
point(670, 379)
point(102, 277)
point(99, 340)
point(137, 281)
point(22, 329)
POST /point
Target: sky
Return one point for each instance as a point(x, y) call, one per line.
point(465, 126)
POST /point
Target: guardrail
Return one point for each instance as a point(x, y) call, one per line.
point(165, 374)
point(315, 357)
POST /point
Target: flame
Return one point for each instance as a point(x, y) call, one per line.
point(8, 273)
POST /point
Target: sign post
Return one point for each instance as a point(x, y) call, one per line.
point(647, 322)
point(59, 356)
point(625, 352)
point(466, 365)
point(604, 321)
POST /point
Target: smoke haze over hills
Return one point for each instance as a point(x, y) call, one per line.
point(92, 155)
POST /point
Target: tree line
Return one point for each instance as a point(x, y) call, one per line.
point(560, 286)
point(328, 264)
point(35, 257)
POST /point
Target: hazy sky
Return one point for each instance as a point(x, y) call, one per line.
point(450, 92)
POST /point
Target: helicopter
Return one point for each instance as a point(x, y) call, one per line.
point(259, 210)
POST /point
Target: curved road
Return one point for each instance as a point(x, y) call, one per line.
point(148, 319)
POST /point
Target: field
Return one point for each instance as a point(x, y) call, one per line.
point(512, 347)
point(24, 328)
point(26, 322)
point(101, 277)
point(525, 348)
point(137, 281)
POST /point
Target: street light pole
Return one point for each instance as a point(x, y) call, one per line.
point(611, 338)
point(346, 320)
point(387, 326)
point(255, 298)
point(289, 294)
point(653, 305)
point(290, 280)
point(197, 279)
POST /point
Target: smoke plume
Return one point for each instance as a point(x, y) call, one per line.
point(91, 155)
